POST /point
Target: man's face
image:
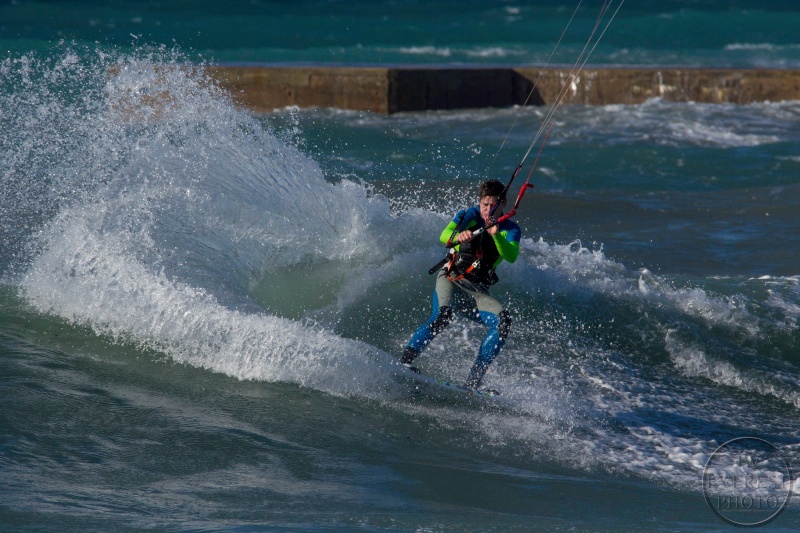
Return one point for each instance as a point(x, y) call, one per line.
point(486, 204)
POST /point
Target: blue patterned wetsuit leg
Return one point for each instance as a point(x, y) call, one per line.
point(488, 309)
point(439, 319)
point(493, 341)
point(441, 316)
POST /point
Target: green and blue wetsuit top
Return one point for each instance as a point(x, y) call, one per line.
point(490, 250)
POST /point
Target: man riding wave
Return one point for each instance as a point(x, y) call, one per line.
point(472, 269)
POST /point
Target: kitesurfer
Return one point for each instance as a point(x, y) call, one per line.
point(483, 244)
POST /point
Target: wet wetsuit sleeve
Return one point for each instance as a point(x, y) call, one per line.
point(507, 244)
point(445, 236)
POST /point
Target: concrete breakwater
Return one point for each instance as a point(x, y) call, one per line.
point(396, 89)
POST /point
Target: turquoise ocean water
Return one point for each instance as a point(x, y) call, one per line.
point(200, 308)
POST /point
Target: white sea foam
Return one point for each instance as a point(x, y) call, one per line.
point(788, 303)
point(193, 199)
point(574, 267)
point(90, 278)
point(694, 362)
point(473, 52)
point(698, 132)
point(427, 50)
point(770, 47)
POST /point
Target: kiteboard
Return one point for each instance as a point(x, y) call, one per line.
point(429, 386)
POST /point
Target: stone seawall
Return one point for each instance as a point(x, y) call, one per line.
point(391, 90)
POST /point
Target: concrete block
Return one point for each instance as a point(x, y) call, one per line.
point(397, 89)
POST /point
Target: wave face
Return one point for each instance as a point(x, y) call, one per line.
point(159, 204)
point(176, 270)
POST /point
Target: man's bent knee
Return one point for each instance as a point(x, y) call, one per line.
point(442, 320)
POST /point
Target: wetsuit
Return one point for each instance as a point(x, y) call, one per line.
point(484, 253)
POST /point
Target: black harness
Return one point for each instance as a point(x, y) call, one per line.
point(474, 261)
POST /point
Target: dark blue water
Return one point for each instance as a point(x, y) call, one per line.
point(711, 33)
point(200, 309)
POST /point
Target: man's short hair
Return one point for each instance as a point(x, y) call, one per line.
point(492, 188)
